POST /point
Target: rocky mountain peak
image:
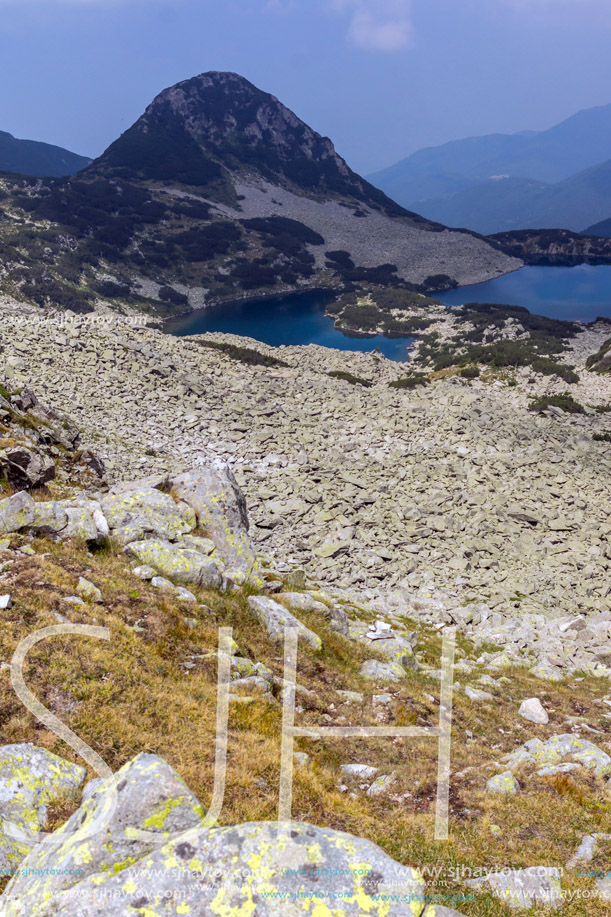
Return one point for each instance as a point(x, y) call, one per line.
point(202, 129)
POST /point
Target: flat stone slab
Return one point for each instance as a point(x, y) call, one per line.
point(275, 617)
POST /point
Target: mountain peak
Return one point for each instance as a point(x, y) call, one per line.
point(204, 128)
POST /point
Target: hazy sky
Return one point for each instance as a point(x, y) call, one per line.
point(380, 77)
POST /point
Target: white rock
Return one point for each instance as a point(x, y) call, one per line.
point(533, 711)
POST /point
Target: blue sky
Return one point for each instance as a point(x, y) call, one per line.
point(380, 77)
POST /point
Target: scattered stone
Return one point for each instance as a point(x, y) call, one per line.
point(364, 771)
point(533, 711)
point(381, 785)
point(88, 591)
point(5, 602)
point(382, 671)
point(503, 784)
point(274, 618)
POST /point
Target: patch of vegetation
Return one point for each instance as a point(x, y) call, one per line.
point(339, 259)
point(565, 402)
point(602, 437)
point(243, 354)
point(200, 243)
point(348, 377)
point(169, 294)
point(382, 275)
point(440, 282)
point(470, 372)
point(368, 314)
point(600, 362)
point(483, 343)
point(163, 152)
point(111, 290)
point(280, 227)
point(410, 382)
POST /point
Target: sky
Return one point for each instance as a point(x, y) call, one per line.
point(382, 78)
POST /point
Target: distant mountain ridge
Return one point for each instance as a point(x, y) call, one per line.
point(520, 203)
point(503, 182)
point(599, 229)
point(30, 157)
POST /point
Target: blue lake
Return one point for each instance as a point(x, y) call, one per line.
point(295, 319)
point(580, 293)
point(575, 293)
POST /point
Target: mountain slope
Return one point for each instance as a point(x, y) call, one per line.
point(581, 141)
point(218, 191)
point(599, 229)
point(515, 203)
point(29, 157)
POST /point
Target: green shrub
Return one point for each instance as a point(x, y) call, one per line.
point(348, 377)
point(602, 437)
point(470, 372)
point(410, 382)
point(243, 354)
point(565, 402)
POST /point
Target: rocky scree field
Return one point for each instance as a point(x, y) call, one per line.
point(371, 517)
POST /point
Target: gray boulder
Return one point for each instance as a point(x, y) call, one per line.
point(144, 512)
point(16, 512)
point(49, 518)
point(102, 838)
point(243, 869)
point(383, 638)
point(274, 618)
point(382, 671)
point(561, 749)
point(81, 524)
point(179, 564)
point(25, 467)
point(220, 507)
point(303, 601)
point(30, 778)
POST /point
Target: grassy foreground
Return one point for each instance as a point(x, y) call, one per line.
point(153, 689)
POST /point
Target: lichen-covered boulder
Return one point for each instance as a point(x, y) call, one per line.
point(521, 889)
point(177, 563)
point(49, 518)
point(144, 512)
point(275, 617)
point(220, 507)
point(382, 671)
point(249, 869)
point(100, 841)
point(383, 638)
point(16, 512)
point(303, 601)
point(503, 784)
point(81, 524)
point(30, 778)
point(559, 749)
